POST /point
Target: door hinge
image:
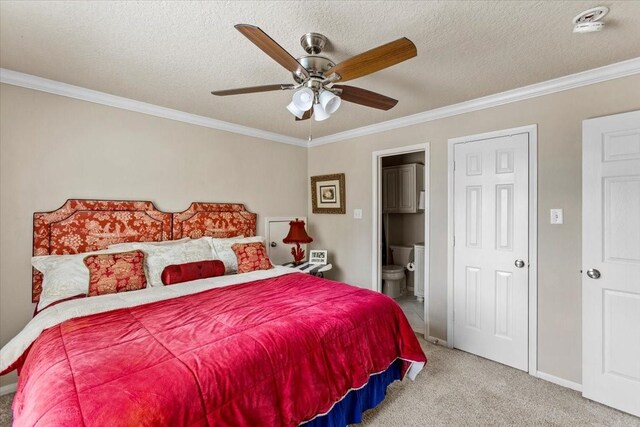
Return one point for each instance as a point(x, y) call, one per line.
point(453, 316)
point(454, 240)
point(454, 166)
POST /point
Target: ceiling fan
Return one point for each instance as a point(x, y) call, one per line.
point(316, 76)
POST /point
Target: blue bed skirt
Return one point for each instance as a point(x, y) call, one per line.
point(350, 409)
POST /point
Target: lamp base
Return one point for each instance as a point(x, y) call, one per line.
point(298, 254)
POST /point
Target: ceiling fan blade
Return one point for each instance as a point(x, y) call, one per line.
point(252, 89)
point(273, 49)
point(365, 97)
point(306, 115)
point(374, 60)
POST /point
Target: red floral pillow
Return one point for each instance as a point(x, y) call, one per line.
point(251, 257)
point(113, 273)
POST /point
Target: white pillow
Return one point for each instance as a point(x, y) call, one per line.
point(226, 254)
point(132, 246)
point(64, 276)
point(157, 257)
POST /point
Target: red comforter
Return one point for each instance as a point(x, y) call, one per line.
point(272, 352)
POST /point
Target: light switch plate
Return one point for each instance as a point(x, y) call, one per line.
point(357, 213)
point(557, 216)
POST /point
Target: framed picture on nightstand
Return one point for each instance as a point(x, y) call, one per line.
point(317, 257)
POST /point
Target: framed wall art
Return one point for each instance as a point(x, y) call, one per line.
point(328, 194)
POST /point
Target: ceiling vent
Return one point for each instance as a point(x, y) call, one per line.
point(589, 20)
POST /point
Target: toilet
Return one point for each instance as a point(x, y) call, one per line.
point(394, 279)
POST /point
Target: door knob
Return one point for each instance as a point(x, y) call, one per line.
point(519, 263)
point(593, 273)
point(274, 244)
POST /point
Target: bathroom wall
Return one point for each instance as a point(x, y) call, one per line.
point(405, 229)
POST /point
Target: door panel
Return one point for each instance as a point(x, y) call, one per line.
point(621, 309)
point(389, 189)
point(491, 226)
point(474, 216)
point(407, 188)
point(472, 292)
point(474, 164)
point(611, 245)
point(504, 303)
point(504, 217)
point(621, 227)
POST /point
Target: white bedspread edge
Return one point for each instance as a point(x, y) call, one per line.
point(57, 314)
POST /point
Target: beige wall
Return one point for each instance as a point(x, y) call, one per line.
point(559, 117)
point(54, 148)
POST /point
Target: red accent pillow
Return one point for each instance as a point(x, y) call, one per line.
point(178, 273)
point(251, 257)
point(113, 273)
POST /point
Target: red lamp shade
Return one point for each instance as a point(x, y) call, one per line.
point(297, 234)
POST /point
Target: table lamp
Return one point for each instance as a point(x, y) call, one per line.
point(297, 234)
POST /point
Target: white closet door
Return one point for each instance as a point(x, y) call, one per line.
point(611, 261)
point(491, 223)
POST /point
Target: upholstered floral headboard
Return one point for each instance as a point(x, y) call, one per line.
point(214, 220)
point(88, 225)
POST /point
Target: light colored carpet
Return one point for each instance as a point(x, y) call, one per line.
point(5, 409)
point(460, 389)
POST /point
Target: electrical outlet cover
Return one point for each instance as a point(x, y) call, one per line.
point(557, 216)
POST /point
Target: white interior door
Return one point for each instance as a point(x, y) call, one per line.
point(276, 230)
point(611, 261)
point(491, 245)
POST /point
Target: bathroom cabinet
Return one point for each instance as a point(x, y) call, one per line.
point(401, 187)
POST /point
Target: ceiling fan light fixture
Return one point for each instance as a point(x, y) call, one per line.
point(319, 114)
point(313, 71)
point(295, 110)
point(303, 99)
point(330, 101)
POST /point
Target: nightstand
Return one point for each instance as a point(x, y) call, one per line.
point(305, 267)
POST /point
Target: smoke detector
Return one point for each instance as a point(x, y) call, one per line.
point(589, 20)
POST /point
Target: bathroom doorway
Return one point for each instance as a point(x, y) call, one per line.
point(401, 230)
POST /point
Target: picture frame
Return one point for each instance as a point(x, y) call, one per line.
point(328, 194)
point(317, 257)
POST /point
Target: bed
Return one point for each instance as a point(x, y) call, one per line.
point(267, 347)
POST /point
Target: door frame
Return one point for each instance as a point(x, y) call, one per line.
point(532, 130)
point(376, 237)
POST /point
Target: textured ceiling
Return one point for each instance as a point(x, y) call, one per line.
point(173, 53)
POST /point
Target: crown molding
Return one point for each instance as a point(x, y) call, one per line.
point(584, 78)
point(29, 81)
